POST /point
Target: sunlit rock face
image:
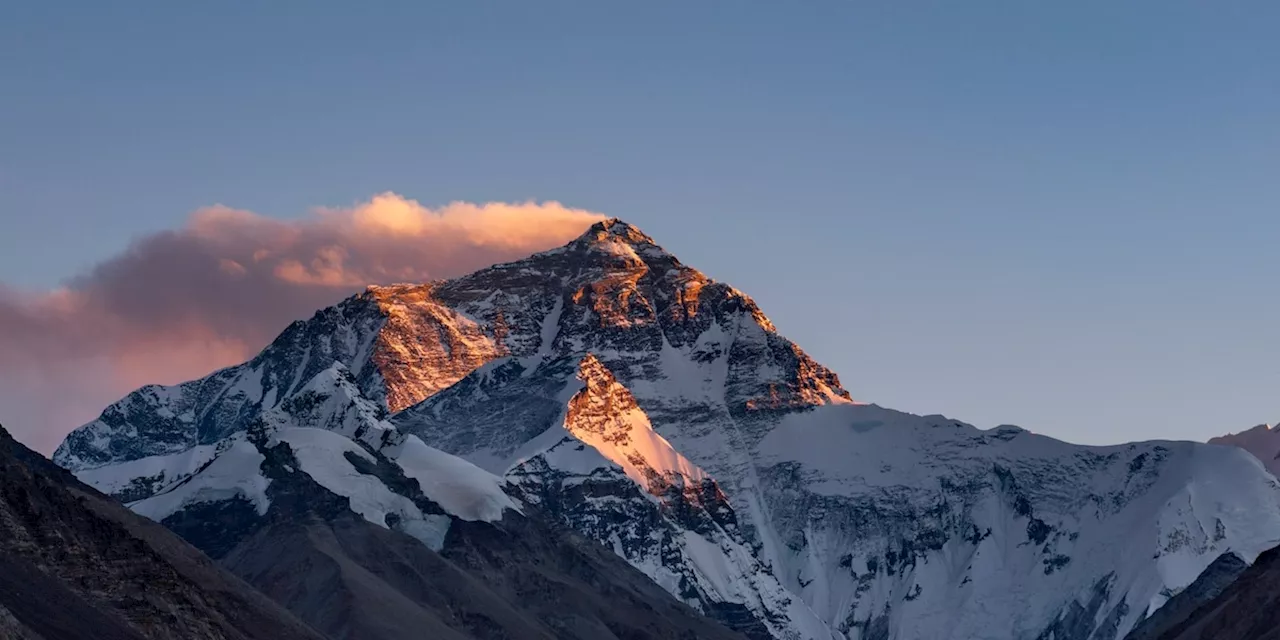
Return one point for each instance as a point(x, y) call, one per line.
point(424, 345)
point(1263, 441)
point(661, 414)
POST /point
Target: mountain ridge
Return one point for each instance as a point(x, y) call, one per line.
point(76, 564)
point(1263, 441)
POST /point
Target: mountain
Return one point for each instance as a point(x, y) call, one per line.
point(1263, 441)
point(611, 388)
point(76, 564)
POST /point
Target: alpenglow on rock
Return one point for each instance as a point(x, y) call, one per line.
point(1263, 441)
point(660, 413)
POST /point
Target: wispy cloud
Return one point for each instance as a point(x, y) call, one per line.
point(180, 303)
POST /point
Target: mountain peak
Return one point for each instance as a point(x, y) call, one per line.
point(614, 230)
point(618, 237)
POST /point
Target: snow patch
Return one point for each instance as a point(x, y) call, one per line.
point(160, 472)
point(237, 471)
point(322, 455)
point(461, 488)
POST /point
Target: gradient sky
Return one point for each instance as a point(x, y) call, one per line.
point(1058, 215)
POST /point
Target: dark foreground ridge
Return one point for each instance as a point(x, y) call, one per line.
point(1180, 608)
point(1248, 609)
point(76, 564)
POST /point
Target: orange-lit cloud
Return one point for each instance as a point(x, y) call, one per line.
point(180, 303)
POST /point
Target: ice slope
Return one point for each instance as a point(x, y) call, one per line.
point(233, 472)
point(941, 528)
point(143, 477)
point(461, 488)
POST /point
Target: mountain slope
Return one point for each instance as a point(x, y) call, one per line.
point(1245, 610)
point(661, 414)
point(1213, 581)
point(75, 564)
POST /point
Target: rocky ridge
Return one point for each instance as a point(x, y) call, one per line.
point(76, 564)
point(1263, 441)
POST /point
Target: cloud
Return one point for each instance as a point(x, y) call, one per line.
point(181, 303)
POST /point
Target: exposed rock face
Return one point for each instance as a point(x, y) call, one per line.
point(661, 414)
point(425, 346)
point(1263, 441)
point(51, 609)
point(76, 564)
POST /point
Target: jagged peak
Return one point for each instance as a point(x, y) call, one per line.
point(615, 230)
point(620, 238)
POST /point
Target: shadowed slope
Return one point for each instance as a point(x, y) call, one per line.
point(76, 564)
point(1249, 609)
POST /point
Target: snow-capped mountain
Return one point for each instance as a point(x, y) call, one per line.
point(661, 414)
point(1263, 441)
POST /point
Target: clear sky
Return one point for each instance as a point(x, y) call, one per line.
point(1061, 215)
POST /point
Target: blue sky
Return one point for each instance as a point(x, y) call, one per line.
point(1059, 215)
